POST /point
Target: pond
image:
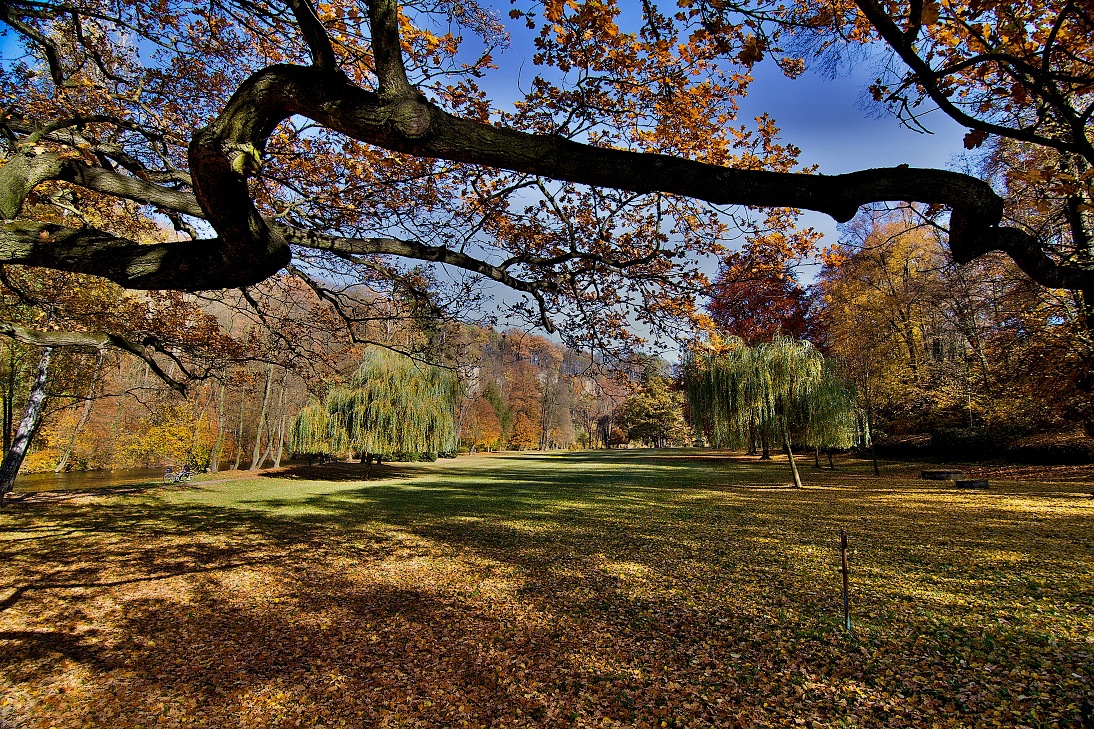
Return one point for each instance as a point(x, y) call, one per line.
point(84, 480)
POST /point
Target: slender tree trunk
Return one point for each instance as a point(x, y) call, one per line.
point(816, 457)
point(214, 458)
point(191, 456)
point(793, 464)
point(28, 426)
point(868, 391)
point(280, 442)
point(831, 465)
point(465, 404)
point(261, 421)
point(119, 411)
point(9, 398)
point(266, 453)
point(765, 449)
point(873, 438)
point(85, 415)
point(239, 433)
point(281, 421)
point(270, 439)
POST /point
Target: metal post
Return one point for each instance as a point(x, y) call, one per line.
point(846, 571)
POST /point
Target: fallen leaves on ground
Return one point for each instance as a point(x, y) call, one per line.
point(636, 589)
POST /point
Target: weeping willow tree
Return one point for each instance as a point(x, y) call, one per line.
point(782, 391)
point(390, 405)
point(314, 434)
point(833, 420)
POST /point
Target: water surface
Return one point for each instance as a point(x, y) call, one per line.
point(84, 480)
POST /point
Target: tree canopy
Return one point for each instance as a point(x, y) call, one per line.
point(329, 142)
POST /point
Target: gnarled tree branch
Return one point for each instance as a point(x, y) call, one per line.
point(248, 248)
point(96, 340)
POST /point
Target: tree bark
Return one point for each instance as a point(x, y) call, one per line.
point(249, 249)
point(28, 426)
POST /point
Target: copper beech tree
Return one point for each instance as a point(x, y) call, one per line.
point(330, 141)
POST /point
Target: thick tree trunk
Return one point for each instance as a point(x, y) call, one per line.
point(28, 426)
point(793, 464)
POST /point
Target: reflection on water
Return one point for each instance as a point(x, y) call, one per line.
point(82, 480)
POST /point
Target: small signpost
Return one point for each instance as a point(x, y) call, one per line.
point(846, 572)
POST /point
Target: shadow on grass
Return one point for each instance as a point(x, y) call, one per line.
point(631, 585)
point(340, 471)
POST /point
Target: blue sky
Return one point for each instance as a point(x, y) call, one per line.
point(829, 120)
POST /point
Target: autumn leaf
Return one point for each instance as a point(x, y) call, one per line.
point(974, 138)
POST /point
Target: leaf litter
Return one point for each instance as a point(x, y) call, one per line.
point(625, 590)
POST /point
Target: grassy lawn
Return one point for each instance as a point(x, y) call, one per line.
point(636, 588)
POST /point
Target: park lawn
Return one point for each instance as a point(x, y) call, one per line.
point(634, 588)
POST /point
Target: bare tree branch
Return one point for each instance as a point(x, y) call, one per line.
point(315, 35)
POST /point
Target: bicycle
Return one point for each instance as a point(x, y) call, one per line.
point(173, 476)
